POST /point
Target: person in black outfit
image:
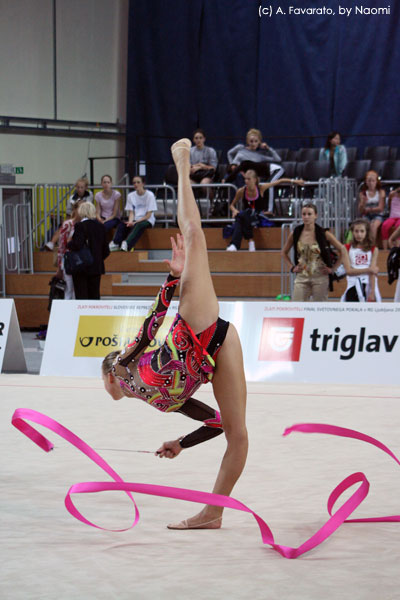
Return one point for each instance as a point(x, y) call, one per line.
point(87, 283)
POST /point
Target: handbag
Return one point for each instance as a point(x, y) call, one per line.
point(77, 261)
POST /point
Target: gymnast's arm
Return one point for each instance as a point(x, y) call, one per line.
point(212, 427)
point(154, 320)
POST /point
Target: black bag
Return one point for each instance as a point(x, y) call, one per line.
point(77, 261)
point(393, 264)
point(57, 290)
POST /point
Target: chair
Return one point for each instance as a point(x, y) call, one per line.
point(393, 153)
point(290, 169)
point(391, 170)
point(283, 152)
point(377, 152)
point(300, 169)
point(291, 155)
point(356, 169)
point(378, 166)
point(316, 169)
point(307, 154)
point(351, 153)
point(171, 176)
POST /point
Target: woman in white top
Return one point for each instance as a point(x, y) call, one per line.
point(141, 206)
point(372, 201)
point(108, 204)
point(361, 263)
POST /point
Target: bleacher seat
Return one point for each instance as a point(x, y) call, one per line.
point(393, 153)
point(377, 152)
point(291, 155)
point(283, 152)
point(300, 169)
point(171, 176)
point(290, 169)
point(305, 154)
point(378, 166)
point(356, 169)
point(391, 170)
point(351, 153)
point(315, 169)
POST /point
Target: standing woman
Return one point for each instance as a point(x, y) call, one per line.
point(66, 233)
point(89, 231)
point(335, 152)
point(108, 204)
point(360, 260)
point(199, 347)
point(254, 204)
point(312, 260)
point(371, 204)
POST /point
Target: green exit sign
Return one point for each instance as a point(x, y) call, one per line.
point(19, 170)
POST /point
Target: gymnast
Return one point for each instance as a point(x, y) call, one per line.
point(167, 377)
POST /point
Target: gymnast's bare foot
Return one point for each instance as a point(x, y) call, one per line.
point(200, 521)
point(180, 152)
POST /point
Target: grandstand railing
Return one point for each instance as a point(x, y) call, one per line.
point(17, 244)
point(50, 203)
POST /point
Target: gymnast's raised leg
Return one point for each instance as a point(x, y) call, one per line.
point(198, 306)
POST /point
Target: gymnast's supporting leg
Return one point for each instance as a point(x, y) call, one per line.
point(198, 305)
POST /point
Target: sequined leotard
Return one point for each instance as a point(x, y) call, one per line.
point(167, 377)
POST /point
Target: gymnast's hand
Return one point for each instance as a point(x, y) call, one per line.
point(169, 449)
point(177, 261)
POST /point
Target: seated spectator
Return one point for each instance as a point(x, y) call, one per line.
point(257, 156)
point(360, 260)
point(66, 233)
point(394, 217)
point(81, 194)
point(141, 206)
point(372, 201)
point(203, 159)
point(108, 204)
point(90, 231)
point(255, 205)
point(336, 153)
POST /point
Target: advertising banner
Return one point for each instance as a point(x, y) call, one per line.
point(282, 341)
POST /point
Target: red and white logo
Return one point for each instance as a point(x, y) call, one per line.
point(281, 339)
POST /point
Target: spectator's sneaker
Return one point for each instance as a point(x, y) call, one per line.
point(113, 247)
point(231, 248)
point(252, 246)
point(124, 246)
point(49, 246)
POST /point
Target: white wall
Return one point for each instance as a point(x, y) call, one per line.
point(91, 82)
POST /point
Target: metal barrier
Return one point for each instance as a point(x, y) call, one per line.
point(50, 203)
point(221, 199)
point(17, 245)
point(2, 264)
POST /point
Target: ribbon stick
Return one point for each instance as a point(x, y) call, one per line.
point(336, 519)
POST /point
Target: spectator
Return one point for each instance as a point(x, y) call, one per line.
point(252, 198)
point(81, 194)
point(372, 201)
point(394, 216)
point(360, 260)
point(336, 153)
point(312, 257)
point(259, 157)
point(141, 206)
point(66, 232)
point(203, 159)
point(90, 231)
point(108, 204)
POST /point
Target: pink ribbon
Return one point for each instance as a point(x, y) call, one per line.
point(336, 519)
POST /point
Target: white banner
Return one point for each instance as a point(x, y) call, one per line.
point(12, 357)
point(282, 341)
